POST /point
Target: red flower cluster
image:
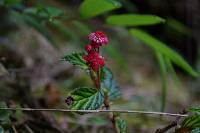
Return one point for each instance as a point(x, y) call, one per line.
point(97, 39)
point(93, 58)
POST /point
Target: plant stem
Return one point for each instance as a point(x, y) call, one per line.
point(111, 115)
point(98, 80)
point(172, 124)
point(93, 78)
point(97, 111)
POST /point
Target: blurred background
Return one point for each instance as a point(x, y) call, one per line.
point(36, 34)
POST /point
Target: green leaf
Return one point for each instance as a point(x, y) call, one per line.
point(44, 12)
point(86, 99)
point(133, 20)
point(163, 73)
point(4, 114)
point(108, 82)
point(194, 110)
point(92, 8)
point(191, 122)
point(121, 125)
point(163, 49)
point(11, 2)
point(173, 72)
point(178, 26)
point(76, 60)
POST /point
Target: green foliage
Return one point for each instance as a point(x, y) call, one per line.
point(195, 110)
point(44, 12)
point(76, 60)
point(190, 123)
point(86, 99)
point(133, 20)
point(92, 8)
point(121, 125)
point(178, 26)
point(4, 114)
point(10, 2)
point(163, 73)
point(108, 82)
point(172, 71)
point(163, 49)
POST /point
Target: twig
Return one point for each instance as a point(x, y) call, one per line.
point(14, 129)
point(172, 124)
point(28, 128)
point(97, 111)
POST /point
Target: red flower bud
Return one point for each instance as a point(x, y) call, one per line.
point(98, 37)
point(88, 48)
point(94, 60)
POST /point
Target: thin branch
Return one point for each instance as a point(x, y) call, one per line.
point(98, 111)
point(172, 124)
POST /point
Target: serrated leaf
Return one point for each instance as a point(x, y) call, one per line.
point(108, 82)
point(121, 125)
point(86, 99)
point(92, 8)
point(191, 122)
point(76, 60)
point(163, 49)
point(133, 20)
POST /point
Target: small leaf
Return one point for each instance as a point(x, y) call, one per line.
point(163, 49)
point(76, 60)
point(92, 8)
point(110, 84)
point(121, 125)
point(133, 20)
point(86, 99)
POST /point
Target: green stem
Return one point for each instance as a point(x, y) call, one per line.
point(111, 115)
point(163, 73)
